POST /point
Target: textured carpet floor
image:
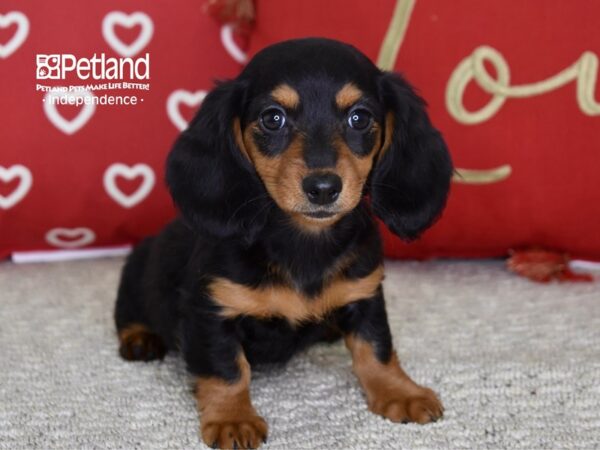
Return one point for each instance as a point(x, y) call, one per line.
point(517, 365)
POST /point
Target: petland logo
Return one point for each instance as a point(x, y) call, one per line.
point(59, 66)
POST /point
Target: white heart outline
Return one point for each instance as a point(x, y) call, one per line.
point(20, 35)
point(182, 96)
point(129, 172)
point(53, 237)
point(75, 124)
point(230, 46)
point(127, 20)
point(6, 175)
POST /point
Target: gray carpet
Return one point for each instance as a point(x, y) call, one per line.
point(517, 365)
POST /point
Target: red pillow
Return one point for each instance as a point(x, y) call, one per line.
point(92, 175)
point(529, 159)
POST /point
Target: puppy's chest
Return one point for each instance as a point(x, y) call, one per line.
point(278, 296)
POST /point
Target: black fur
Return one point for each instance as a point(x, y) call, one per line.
point(410, 183)
point(231, 228)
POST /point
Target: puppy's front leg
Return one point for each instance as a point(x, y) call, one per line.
point(228, 419)
point(390, 391)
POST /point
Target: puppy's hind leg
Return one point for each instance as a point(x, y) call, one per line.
point(137, 342)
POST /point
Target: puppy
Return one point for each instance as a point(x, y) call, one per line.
point(277, 179)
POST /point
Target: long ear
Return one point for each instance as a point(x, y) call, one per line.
point(410, 181)
point(210, 180)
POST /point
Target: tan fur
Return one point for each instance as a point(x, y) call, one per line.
point(389, 131)
point(284, 301)
point(390, 391)
point(226, 412)
point(133, 332)
point(239, 138)
point(286, 96)
point(282, 174)
point(138, 342)
point(354, 170)
point(313, 226)
point(347, 96)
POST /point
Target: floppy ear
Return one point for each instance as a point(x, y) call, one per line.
point(411, 178)
point(210, 180)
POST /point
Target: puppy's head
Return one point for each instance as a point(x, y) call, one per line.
point(309, 127)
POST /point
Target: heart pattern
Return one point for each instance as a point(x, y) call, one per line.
point(75, 124)
point(20, 35)
point(230, 45)
point(191, 99)
point(70, 237)
point(26, 180)
point(127, 20)
point(17, 180)
point(66, 157)
point(128, 172)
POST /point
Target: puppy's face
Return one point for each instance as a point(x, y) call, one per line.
point(313, 146)
point(312, 138)
point(316, 124)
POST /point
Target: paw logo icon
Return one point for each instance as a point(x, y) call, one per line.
point(48, 67)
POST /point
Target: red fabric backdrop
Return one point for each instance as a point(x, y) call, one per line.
point(68, 180)
point(68, 205)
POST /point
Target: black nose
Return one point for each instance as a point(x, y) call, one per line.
point(322, 188)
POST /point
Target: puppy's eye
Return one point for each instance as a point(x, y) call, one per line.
point(272, 119)
point(360, 119)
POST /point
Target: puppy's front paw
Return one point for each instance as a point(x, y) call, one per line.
point(247, 433)
point(419, 405)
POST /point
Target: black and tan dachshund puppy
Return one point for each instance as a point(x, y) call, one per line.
point(277, 179)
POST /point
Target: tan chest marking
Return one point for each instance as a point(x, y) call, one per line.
point(284, 301)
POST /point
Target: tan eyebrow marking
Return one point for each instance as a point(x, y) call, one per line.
point(347, 96)
point(286, 96)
